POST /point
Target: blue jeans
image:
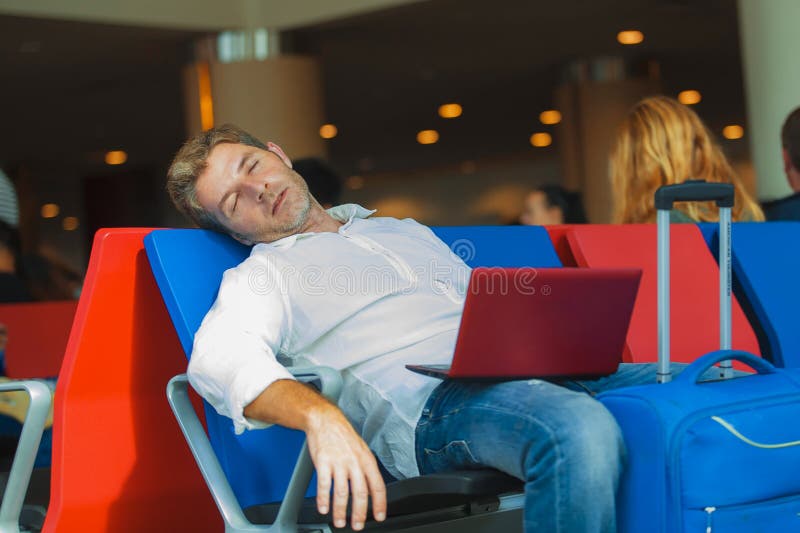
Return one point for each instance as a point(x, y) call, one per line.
point(560, 441)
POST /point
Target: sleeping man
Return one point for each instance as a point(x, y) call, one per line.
point(367, 295)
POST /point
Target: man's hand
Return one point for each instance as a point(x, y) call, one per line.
point(342, 458)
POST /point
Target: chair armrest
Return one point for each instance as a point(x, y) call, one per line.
point(235, 521)
point(206, 459)
point(330, 380)
point(30, 438)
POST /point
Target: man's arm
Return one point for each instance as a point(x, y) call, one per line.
point(339, 454)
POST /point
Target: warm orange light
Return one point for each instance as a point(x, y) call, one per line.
point(328, 131)
point(354, 183)
point(733, 132)
point(428, 137)
point(116, 157)
point(450, 110)
point(69, 223)
point(50, 210)
point(630, 37)
point(690, 97)
point(551, 116)
point(204, 92)
point(540, 140)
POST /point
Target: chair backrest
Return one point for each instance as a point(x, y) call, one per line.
point(766, 272)
point(694, 301)
point(120, 462)
point(500, 246)
point(188, 266)
point(30, 353)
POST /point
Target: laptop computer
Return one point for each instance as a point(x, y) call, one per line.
point(541, 322)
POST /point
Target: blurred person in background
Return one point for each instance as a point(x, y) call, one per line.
point(9, 205)
point(788, 208)
point(48, 277)
point(12, 287)
point(662, 142)
point(550, 205)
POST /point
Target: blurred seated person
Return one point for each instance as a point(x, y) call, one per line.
point(662, 142)
point(788, 208)
point(14, 405)
point(12, 286)
point(551, 205)
point(49, 278)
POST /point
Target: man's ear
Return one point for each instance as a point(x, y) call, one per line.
point(275, 149)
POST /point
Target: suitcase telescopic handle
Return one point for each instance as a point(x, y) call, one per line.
point(695, 191)
point(665, 197)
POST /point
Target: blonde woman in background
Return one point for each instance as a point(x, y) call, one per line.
point(662, 142)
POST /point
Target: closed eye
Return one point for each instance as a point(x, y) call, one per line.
point(233, 206)
point(253, 167)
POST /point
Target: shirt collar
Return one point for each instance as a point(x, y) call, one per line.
point(344, 213)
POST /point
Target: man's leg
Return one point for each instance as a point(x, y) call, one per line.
point(564, 444)
point(630, 374)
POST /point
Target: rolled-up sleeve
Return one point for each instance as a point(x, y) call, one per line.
point(234, 355)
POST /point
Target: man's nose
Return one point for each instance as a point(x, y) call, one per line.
point(258, 188)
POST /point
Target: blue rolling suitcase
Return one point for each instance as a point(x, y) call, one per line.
point(714, 456)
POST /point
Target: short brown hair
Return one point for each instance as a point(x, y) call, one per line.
point(190, 161)
point(790, 137)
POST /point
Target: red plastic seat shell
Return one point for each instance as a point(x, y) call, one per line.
point(694, 288)
point(120, 462)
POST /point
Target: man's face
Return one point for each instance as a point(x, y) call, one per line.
point(536, 212)
point(254, 193)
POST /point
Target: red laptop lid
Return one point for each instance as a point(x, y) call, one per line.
point(525, 322)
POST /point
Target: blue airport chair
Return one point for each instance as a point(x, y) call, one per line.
point(242, 476)
point(500, 246)
point(766, 263)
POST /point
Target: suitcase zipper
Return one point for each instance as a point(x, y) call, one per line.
point(710, 510)
point(680, 430)
point(733, 431)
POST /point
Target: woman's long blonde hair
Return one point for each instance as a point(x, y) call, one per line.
point(662, 142)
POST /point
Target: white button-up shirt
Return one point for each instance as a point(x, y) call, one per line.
point(377, 295)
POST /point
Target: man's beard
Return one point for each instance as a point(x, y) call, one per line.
point(291, 226)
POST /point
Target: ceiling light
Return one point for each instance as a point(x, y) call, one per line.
point(733, 132)
point(630, 37)
point(690, 97)
point(328, 131)
point(450, 110)
point(540, 140)
point(428, 137)
point(69, 223)
point(50, 210)
point(551, 116)
point(116, 157)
